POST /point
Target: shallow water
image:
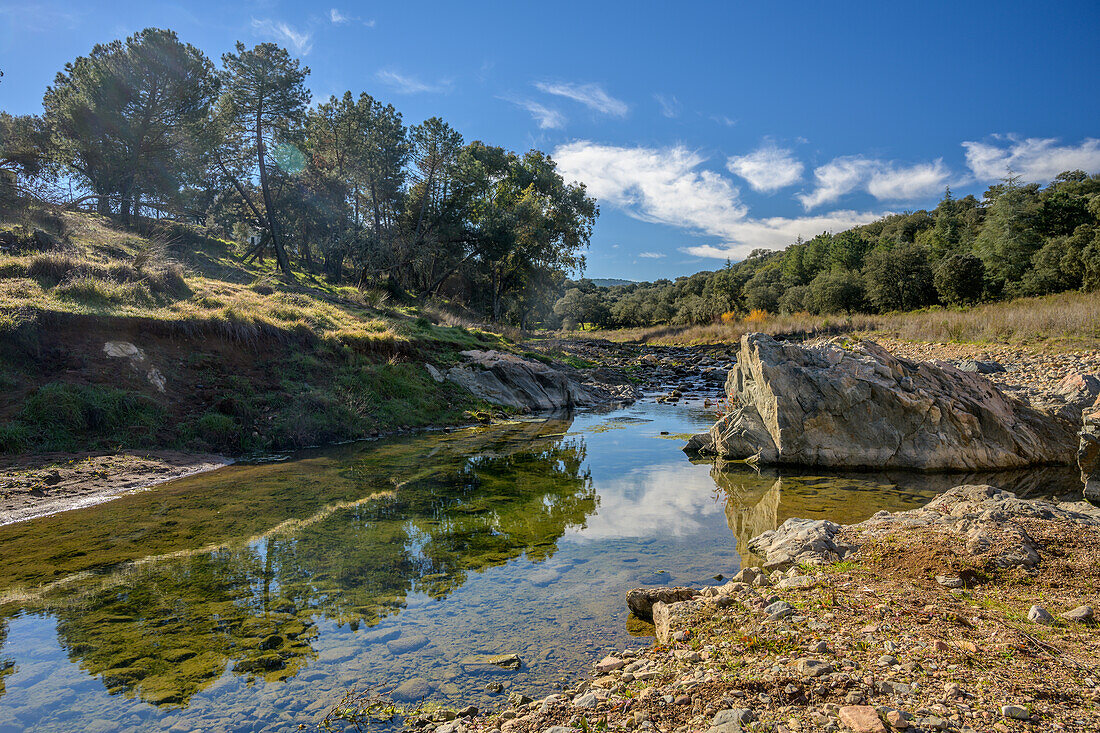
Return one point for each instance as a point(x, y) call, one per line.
point(250, 598)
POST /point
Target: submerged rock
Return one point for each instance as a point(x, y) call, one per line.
point(524, 384)
point(853, 404)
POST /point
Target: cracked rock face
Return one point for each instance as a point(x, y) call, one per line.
point(1088, 452)
point(853, 404)
point(531, 386)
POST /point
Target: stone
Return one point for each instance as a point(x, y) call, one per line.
point(1039, 615)
point(812, 667)
point(861, 719)
point(609, 664)
point(406, 643)
point(508, 661)
point(524, 384)
point(979, 367)
point(412, 690)
point(1015, 712)
point(950, 581)
point(586, 701)
point(640, 600)
point(1081, 615)
point(897, 719)
point(848, 403)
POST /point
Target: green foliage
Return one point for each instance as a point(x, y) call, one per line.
point(836, 292)
point(899, 278)
point(62, 416)
point(960, 278)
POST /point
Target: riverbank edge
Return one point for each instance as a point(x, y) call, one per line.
point(863, 639)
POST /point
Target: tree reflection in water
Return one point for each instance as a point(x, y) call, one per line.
point(431, 510)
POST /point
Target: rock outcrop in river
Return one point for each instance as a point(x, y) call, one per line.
point(988, 522)
point(532, 386)
point(851, 403)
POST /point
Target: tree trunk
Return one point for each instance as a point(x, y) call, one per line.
point(272, 225)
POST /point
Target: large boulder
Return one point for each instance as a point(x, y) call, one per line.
point(531, 386)
point(853, 404)
point(1088, 454)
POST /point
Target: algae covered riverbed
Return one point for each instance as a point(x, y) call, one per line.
point(252, 597)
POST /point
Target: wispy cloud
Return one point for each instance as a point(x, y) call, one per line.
point(339, 18)
point(886, 181)
point(1033, 159)
point(405, 84)
point(651, 255)
point(670, 106)
point(768, 168)
point(590, 95)
point(670, 186)
point(277, 30)
point(546, 117)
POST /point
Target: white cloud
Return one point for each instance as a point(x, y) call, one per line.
point(768, 168)
point(836, 178)
point(546, 117)
point(337, 17)
point(889, 183)
point(886, 181)
point(590, 95)
point(651, 255)
point(669, 186)
point(302, 41)
point(1033, 159)
point(670, 106)
point(404, 84)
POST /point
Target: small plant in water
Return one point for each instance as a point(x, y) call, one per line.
point(363, 709)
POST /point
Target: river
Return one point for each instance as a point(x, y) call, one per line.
point(253, 597)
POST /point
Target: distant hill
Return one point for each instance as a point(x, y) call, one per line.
point(609, 282)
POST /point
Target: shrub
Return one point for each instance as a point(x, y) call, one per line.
point(960, 279)
point(832, 292)
point(899, 278)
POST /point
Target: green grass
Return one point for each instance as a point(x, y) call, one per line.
point(60, 416)
point(323, 362)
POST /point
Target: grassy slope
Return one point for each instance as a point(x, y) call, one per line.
point(249, 361)
point(1067, 321)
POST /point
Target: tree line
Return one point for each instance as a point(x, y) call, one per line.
point(1018, 240)
point(343, 188)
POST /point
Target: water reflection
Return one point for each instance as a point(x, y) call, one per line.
point(251, 597)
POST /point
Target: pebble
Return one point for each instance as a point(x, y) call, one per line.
point(1015, 712)
point(1081, 614)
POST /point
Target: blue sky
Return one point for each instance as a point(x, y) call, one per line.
point(704, 129)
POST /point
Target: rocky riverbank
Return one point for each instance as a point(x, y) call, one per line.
point(972, 613)
point(39, 485)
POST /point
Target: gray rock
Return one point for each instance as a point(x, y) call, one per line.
point(1088, 451)
point(524, 384)
point(979, 367)
point(950, 581)
point(1039, 615)
point(1015, 712)
point(853, 404)
point(641, 600)
point(812, 667)
point(1081, 615)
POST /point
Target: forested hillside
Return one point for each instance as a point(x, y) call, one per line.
point(1018, 240)
point(149, 127)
